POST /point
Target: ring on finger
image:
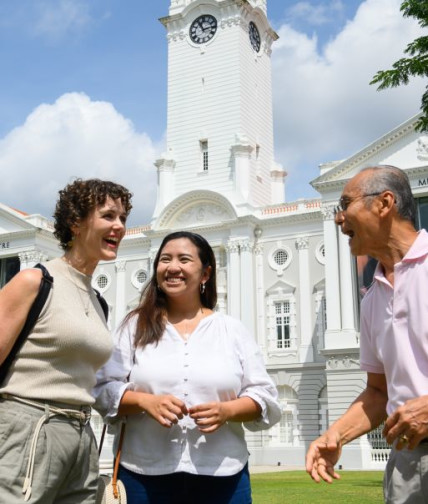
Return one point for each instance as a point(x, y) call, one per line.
point(404, 439)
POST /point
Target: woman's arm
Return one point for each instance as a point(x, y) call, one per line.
point(16, 299)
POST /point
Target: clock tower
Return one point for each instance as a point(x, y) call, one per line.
point(219, 125)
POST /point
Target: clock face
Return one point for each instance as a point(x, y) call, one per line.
point(254, 35)
point(203, 28)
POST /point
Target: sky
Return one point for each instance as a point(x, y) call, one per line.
point(83, 91)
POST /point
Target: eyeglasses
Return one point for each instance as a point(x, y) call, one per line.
point(345, 201)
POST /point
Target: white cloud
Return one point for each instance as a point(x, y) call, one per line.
point(56, 19)
point(324, 107)
point(313, 14)
point(76, 137)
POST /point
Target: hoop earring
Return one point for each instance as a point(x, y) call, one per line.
point(202, 288)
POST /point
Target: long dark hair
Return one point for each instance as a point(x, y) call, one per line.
point(151, 311)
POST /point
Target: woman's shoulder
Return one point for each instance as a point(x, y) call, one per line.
point(28, 280)
point(232, 324)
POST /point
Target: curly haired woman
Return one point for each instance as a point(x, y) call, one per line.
point(47, 448)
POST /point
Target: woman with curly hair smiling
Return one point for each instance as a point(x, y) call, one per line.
point(47, 448)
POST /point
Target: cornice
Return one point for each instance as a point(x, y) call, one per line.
point(334, 178)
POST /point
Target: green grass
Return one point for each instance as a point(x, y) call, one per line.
point(296, 487)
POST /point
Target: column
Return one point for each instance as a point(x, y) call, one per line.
point(221, 280)
point(348, 293)
point(120, 308)
point(277, 180)
point(165, 169)
point(233, 279)
point(30, 258)
point(260, 300)
point(306, 350)
point(247, 286)
point(332, 284)
point(241, 153)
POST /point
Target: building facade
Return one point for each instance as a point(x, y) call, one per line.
point(283, 268)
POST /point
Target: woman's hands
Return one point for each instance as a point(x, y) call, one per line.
point(209, 417)
point(168, 410)
point(165, 409)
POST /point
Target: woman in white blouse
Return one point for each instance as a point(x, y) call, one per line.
point(195, 376)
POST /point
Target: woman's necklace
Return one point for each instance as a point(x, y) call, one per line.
point(78, 289)
point(185, 327)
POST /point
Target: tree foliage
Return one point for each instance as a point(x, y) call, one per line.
point(416, 65)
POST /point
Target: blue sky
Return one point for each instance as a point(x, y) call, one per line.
point(83, 91)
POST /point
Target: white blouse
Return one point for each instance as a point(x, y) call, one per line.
point(219, 362)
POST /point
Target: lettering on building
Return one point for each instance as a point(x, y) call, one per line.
point(423, 182)
point(4, 245)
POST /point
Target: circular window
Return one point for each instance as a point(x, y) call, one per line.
point(141, 277)
point(101, 282)
point(320, 253)
point(280, 257)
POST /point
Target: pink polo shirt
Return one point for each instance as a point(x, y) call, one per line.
point(394, 326)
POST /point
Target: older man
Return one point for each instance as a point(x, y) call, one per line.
point(377, 212)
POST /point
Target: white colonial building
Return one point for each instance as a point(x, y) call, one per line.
point(283, 268)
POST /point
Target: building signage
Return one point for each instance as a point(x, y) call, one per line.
point(4, 245)
point(423, 182)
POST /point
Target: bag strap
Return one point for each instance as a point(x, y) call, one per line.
point(116, 459)
point(35, 310)
point(103, 304)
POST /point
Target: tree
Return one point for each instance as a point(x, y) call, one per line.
point(414, 66)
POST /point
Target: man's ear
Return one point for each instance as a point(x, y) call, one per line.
point(387, 203)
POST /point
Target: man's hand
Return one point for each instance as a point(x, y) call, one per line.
point(408, 424)
point(322, 456)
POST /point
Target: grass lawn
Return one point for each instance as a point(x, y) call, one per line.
point(296, 487)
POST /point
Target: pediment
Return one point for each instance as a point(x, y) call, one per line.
point(12, 221)
point(196, 208)
point(319, 286)
point(403, 147)
point(281, 288)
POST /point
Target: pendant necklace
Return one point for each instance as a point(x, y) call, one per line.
point(87, 305)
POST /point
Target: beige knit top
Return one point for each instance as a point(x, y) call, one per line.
point(68, 344)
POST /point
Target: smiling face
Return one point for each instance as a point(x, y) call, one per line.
point(97, 237)
point(180, 271)
point(360, 221)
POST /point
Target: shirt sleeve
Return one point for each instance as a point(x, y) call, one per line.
point(112, 378)
point(368, 357)
point(256, 383)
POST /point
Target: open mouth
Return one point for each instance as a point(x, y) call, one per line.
point(174, 280)
point(112, 241)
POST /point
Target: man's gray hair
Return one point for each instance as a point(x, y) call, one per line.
point(391, 178)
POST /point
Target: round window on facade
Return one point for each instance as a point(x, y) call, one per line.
point(141, 277)
point(320, 253)
point(102, 282)
point(280, 258)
